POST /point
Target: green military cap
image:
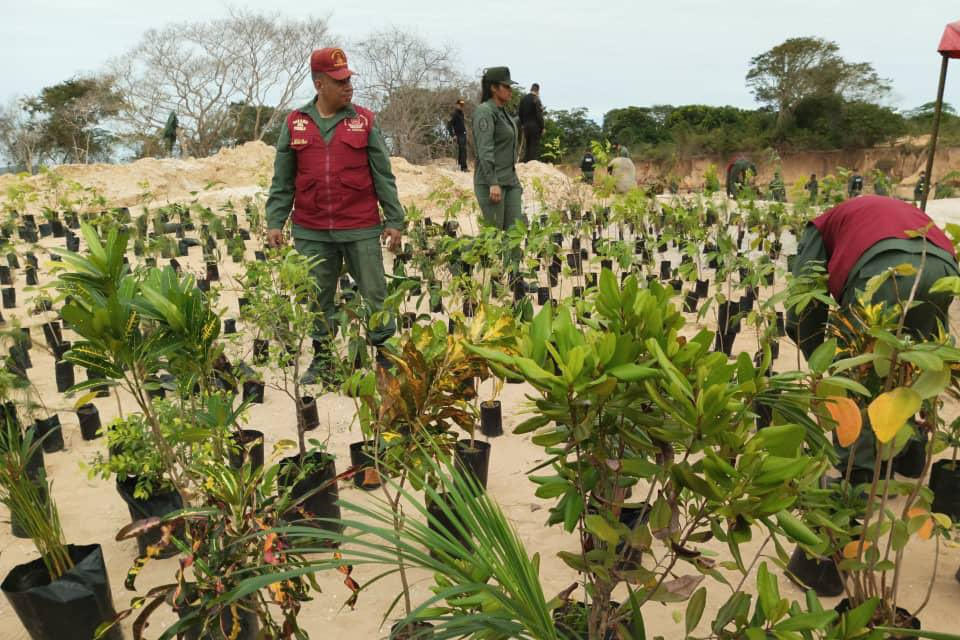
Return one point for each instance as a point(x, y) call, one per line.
point(500, 75)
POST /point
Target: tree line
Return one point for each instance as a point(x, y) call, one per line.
point(232, 80)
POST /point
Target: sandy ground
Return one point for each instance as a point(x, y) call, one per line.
point(92, 511)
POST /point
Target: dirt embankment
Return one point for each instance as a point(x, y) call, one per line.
point(246, 171)
point(902, 162)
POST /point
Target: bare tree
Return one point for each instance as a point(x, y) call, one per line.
point(21, 136)
point(203, 71)
point(413, 85)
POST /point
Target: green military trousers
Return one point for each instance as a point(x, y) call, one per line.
point(364, 260)
point(503, 215)
point(921, 320)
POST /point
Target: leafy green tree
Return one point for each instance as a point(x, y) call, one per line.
point(72, 114)
point(830, 122)
point(573, 127)
point(637, 125)
point(249, 121)
point(802, 67)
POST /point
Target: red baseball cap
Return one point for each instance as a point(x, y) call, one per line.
point(331, 61)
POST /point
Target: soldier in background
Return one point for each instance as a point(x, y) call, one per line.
point(813, 188)
point(778, 190)
point(921, 185)
point(588, 166)
point(855, 186)
point(530, 113)
point(458, 129)
point(169, 134)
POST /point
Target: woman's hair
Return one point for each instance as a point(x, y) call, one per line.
point(486, 89)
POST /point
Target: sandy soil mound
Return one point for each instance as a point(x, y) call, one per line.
point(247, 170)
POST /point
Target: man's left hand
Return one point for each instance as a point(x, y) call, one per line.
point(392, 236)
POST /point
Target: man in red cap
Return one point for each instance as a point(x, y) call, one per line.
point(332, 169)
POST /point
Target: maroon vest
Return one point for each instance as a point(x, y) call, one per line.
point(334, 187)
point(850, 228)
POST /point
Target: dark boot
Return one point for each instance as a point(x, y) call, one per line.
point(324, 368)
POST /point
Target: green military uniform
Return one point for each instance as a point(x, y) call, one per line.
point(918, 189)
point(169, 134)
point(810, 330)
point(360, 248)
point(495, 135)
point(778, 190)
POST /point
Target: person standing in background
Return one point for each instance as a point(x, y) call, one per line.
point(813, 188)
point(495, 136)
point(169, 134)
point(458, 129)
point(855, 186)
point(530, 113)
point(921, 185)
point(587, 166)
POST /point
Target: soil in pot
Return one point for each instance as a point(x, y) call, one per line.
point(491, 418)
point(308, 413)
point(945, 484)
point(249, 446)
point(49, 429)
point(905, 620)
point(474, 456)
point(367, 477)
point(811, 573)
point(319, 502)
point(413, 631)
point(223, 627)
point(89, 418)
point(71, 607)
point(571, 620)
point(159, 505)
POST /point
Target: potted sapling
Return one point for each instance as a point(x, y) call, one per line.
point(898, 378)
point(491, 414)
point(142, 480)
point(65, 593)
point(617, 416)
point(231, 539)
point(408, 415)
point(282, 307)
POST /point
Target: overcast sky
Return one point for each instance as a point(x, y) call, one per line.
point(600, 55)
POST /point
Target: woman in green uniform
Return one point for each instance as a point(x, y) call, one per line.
point(495, 144)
